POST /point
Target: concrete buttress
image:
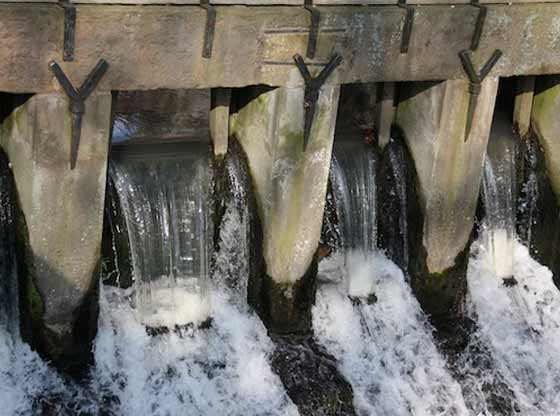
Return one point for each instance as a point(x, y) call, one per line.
point(63, 214)
point(290, 184)
point(433, 118)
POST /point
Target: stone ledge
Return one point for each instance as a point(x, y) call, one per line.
point(161, 46)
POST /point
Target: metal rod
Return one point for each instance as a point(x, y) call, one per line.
point(315, 16)
point(210, 28)
point(479, 25)
point(407, 27)
point(69, 31)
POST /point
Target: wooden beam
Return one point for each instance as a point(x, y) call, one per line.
point(524, 93)
point(219, 120)
point(386, 112)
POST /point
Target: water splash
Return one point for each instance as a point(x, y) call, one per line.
point(386, 349)
point(520, 328)
point(366, 315)
point(498, 186)
point(166, 205)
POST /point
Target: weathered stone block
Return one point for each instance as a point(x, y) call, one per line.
point(63, 211)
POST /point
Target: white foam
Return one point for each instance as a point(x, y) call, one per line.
point(216, 371)
point(26, 381)
point(499, 247)
point(181, 303)
point(385, 350)
point(521, 327)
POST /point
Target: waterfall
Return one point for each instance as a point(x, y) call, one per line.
point(353, 184)
point(222, 367)
point(510, 365)
point(165, 200)
point(366, 315)
point(499, 200)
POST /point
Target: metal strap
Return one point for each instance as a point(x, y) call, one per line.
point(209, 29)
point(315, 16)
point(479, 25)
point(408, 22)
point(69, 30)
point(475, 81)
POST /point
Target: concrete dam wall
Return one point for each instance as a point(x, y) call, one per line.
point(291, 154)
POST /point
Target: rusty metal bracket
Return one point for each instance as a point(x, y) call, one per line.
point(479, 26)
point(69, 30)
point(209, 29)
point(312, 88)
point(475, 81)
point(408, 22)
point(315, 15)
point(77, 100)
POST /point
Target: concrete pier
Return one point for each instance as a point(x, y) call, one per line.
point(433, 118)
point(63, 213)
point(290, 182)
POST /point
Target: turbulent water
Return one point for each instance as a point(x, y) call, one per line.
point(221, 370)
point(518, 336)
point(386, 349)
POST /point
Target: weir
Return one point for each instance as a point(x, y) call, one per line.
point(284, 207)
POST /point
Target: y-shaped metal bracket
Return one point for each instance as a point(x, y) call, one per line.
point(408, 22)
point(479, 26)
point(69, 30)
point(475, 81)
point(77, 100)
point(209, 29)
point(312, 89)
point(313, 29)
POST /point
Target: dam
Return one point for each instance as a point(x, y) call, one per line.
point(279, 207)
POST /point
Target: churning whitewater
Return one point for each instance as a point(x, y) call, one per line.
point(385, 349)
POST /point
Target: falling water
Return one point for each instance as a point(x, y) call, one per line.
point(499, 200)
point(355, 163)
point(366, 315)
point(165, 202)
point(510, 366)
point(219, 367)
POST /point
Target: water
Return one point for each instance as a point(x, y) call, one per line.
point(385, 347)
point(165, 200)
point(510, 366)
point(353, 183)
point(223, 369)
point(518, 335)
point(499, 200)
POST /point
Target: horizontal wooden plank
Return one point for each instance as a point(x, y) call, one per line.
point(161, 46)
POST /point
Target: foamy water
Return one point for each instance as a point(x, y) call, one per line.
point(223, 370)
point(520, 327)
point(386, 349)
